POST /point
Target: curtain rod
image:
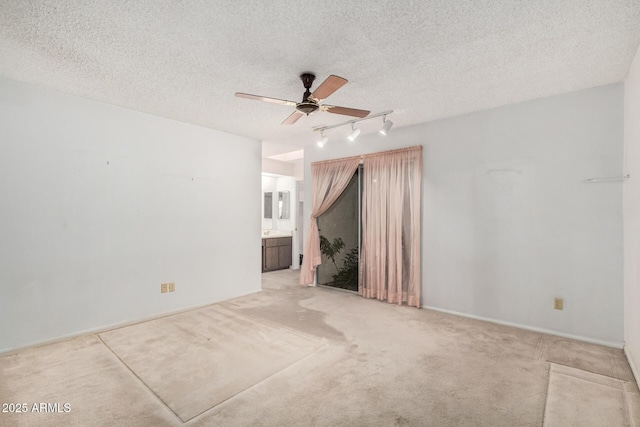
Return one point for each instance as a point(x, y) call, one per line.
point(363, 156)
point(323, 128)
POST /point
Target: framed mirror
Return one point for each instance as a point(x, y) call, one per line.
point(268, 205)
point(283, 205)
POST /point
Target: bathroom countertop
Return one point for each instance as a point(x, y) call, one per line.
point(274, 235)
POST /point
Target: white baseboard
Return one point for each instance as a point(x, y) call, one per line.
point(634, 369)
point(614, 344)
point(105, 328)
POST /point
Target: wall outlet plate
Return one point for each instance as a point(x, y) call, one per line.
point(558, 303)
point(172, 287)
point(163, 288)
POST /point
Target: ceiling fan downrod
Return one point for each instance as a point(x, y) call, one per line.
point(307, 107)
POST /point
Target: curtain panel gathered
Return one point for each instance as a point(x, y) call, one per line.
point(390, 257)
point(328, 180)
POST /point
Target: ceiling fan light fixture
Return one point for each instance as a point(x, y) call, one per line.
point(307, 107)
point(354, 133)
point(386, 125)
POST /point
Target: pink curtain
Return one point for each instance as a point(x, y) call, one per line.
point(390, 254)
point(328, 181)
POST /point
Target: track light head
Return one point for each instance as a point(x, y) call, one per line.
point(386, 125)
point(323, 140)
point(354, 134)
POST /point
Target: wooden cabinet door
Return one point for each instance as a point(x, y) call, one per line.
point(271, 258)
point(284, 256)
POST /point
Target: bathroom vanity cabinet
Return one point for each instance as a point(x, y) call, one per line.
point(276, 253)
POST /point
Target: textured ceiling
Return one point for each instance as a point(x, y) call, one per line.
point(425, 59)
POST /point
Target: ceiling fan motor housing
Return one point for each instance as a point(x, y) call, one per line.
point(307, 107)
point(307, 79)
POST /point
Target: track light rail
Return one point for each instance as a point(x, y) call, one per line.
point(351, 122)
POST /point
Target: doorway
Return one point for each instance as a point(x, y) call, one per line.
point(339, 229)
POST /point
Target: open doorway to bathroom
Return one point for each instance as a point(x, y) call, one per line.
point(339, 229)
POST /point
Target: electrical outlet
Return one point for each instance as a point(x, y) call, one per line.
point(558, 303)
point(163, 288)
point(172, 287)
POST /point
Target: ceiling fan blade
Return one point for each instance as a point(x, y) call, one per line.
point(330, 85)
point(292, 118)
point(354, 112)
point(265, 99)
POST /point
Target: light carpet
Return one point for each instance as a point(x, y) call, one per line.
point(82, 373)
point(585, 399)
point(369, 363)
point(195, 360)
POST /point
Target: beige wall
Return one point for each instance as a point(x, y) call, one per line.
point(631, 216)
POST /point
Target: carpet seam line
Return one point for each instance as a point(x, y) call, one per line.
point(585, 370)
point(627, 410)
point(591, 381)
point(255, 384)
point(139, 379)
point(546, 397)
point(615, 367)
point(627, 398)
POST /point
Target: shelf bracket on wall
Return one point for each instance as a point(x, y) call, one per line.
point(610, 179)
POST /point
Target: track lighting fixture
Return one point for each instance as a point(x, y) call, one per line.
point(386, 125)
point(323, 140)
point(354, 134)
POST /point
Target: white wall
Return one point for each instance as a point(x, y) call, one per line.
point(298, 169)
point(632, 216)
point(277, 167)
point(100, 204)
point(508, 222)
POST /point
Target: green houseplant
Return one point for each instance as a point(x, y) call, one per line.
point(346, 277)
